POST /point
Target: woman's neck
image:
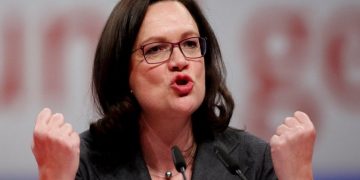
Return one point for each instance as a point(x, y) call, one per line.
point(158, 137)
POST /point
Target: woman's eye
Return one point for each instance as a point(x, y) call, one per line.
point(155, 49)
point(190, 44)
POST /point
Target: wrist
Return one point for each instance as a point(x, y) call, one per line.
point(46, 174)
point(303, 173)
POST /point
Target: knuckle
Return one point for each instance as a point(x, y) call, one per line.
point(62, 141)
point(276, 142)
point(273, 141)
point(76, 138)
point(60, 118)
point(300, 129)
point(286, 138)
point(288, 120)
point(68, 126)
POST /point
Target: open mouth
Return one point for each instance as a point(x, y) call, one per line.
point(182, 85)
point(181, 82)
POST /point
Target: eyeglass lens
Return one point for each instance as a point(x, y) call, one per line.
point(161, 51)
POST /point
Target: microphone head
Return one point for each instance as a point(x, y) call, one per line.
point(226, 160)
point(178, 159)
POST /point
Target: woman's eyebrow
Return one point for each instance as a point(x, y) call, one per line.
point(161, 38)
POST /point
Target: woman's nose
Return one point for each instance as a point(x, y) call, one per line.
point(177, 60)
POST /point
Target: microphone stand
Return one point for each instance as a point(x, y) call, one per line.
point(230, 165)
point(179, 161)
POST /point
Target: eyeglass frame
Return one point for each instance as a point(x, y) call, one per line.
point(173, 45)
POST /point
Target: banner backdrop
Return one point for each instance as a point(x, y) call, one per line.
point(280, 57)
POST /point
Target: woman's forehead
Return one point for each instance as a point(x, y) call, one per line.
point(167, 20)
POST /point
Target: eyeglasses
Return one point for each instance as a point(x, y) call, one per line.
point(158, 52)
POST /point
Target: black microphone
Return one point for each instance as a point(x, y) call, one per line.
point(179, 160)
point(230, 165)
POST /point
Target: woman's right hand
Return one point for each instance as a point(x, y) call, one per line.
point(56, 147)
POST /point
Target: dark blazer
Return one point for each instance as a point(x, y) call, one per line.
point(251, 154)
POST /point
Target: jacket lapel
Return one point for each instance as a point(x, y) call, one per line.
point(208, 166)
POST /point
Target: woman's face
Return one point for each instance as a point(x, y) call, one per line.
point(175, 87)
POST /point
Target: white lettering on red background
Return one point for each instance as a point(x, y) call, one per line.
point(277, 46)
point(342, 57)
point(64, 28)
point(13, 67)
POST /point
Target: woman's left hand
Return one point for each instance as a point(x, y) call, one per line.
point(292, 147)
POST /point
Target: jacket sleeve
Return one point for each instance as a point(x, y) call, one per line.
point(268, 172)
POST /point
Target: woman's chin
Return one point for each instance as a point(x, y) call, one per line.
point(186, 105)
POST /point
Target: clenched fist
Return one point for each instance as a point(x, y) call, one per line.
point(56, 147)
point(292, 148)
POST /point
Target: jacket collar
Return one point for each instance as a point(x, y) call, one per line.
point(206, 164)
